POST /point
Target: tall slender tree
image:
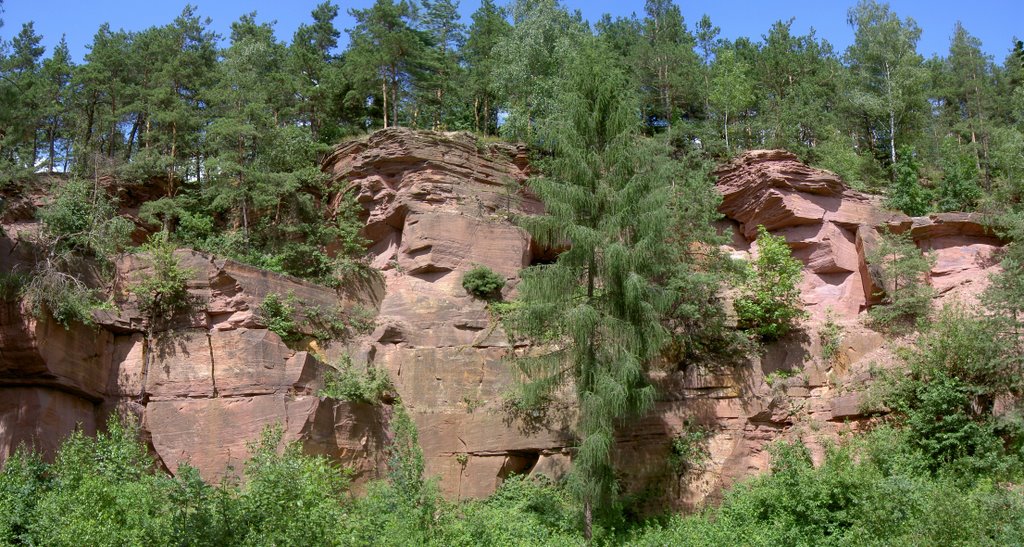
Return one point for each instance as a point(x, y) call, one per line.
point(310, 56)
point(56, 81)
point(488, 28)
point(668, 60)
point(596, 306)
point(447, 36)
point(887, 70)
point(386, 53)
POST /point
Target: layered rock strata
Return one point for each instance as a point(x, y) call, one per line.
point(436, 206)
point(202, 387)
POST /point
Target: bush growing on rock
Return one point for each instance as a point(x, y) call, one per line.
point(163, 292)
point(360, 385)
point(769, 301)
point(483, 282)
point(906, 297)
point(80, 233)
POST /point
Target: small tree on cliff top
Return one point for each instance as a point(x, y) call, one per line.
point(596, 306)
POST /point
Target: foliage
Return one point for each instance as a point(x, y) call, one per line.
point(12, 284)
point(959, 372)
point(279, 315)
point(360, 385)
point(830, 335)
point(866, 492)
point(482, 282)
point(906, 193)
point(689, 449)
point(902, 269)
point(292, 320)
point(958, 190)
point(697, 318)
point(163, 292)
point(283, 484)
point(769, 300)
point(80, 233)
point(605, 190)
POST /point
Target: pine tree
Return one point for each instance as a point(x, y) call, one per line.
point(488, 28)
point(668, 61)
point(106, 88)
point(386, 53)
point(906, 294)
point(968, 86)
point(56, 76)
point(597, 308)
point(447, 36)
point(906, 193)
point(24, 94)
point(797, 77)
point(310, 57)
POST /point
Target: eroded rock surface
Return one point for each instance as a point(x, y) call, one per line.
point(203, 386)
point(436, 206)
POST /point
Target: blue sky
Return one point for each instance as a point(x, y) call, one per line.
point(995, 22)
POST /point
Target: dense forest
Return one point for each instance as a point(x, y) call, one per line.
point(625, 119)
point(169, 103)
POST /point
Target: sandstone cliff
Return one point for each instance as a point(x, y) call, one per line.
point(437, 205)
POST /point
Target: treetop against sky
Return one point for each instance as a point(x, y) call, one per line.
point(994, 22)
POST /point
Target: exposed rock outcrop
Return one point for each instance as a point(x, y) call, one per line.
point(834, 229)
point(438, 205)
point(202, 386)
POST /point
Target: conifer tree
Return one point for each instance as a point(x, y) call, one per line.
point(668, 60)
point(386, 53)
point(310, 56)
point(488, 28)
point(22, 86)
point(56, 76)
point(596, 306)
point(447, 36)
point(906, 193)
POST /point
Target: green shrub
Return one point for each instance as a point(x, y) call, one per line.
point(482, 282)
point(958, 190)
point(906, 297)
point(291, 320)
point(81, 232)
point(164, 292)
point(12, 285)
point(278, 313)
point(906, 193)
point(831, 337)
point(689, 448)
point(81, 218)
point(357, 384)
point(959, 370)
point(769, 301)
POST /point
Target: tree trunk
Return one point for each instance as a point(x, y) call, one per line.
point(476, 113)
point(384, 94)
point(727, 148)
point(588, 521)
point(892, 136)
point(131, 136)
point(51, 137)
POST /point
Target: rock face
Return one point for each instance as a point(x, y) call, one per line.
point(832, 229)
point(438, 205)
point(202, 387)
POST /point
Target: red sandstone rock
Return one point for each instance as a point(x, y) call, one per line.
point(438, 205)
